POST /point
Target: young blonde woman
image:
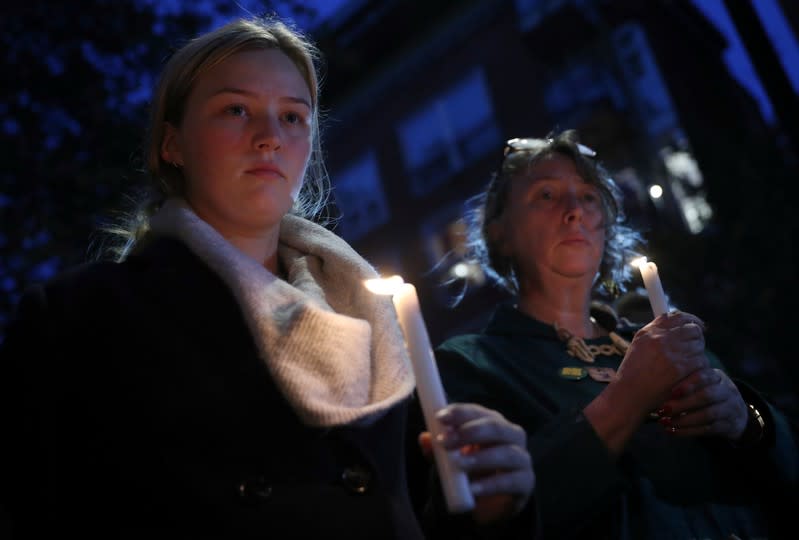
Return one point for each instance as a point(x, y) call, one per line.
point(229, 376)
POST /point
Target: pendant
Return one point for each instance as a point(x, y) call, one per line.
point(574, 373)
point(577, 347)
point(601, 374)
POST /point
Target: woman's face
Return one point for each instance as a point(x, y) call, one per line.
point(244, 141)
point(553, 223)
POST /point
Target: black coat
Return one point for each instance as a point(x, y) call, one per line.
point(135, 404)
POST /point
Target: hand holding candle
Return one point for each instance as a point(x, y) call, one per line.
point(649, 273)
point(454, 481)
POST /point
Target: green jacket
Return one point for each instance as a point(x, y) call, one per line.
point(660, 487)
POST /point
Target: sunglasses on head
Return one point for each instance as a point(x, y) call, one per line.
point(517, 144)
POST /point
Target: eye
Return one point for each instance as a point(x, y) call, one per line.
point(546, 194)
point(236, 110)
point(293, 118)
point(590, 197)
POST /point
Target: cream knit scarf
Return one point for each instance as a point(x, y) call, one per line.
point(334, 349)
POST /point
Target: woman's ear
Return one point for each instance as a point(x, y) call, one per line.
point(170, 146)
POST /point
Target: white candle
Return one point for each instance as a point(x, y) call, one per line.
point(454, 481)
point(657, 298)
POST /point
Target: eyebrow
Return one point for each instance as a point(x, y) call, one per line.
point(248, 93)
point(529, 179)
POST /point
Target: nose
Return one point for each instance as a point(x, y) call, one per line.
point(267, 136)
point(573, 210)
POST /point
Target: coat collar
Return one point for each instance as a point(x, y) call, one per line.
point(507, 320)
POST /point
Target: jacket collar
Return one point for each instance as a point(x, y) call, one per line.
point(509, 321)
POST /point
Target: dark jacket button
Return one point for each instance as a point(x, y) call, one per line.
point(254, 489)
point(356, 479)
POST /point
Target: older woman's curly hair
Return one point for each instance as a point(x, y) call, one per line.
point(621, 241)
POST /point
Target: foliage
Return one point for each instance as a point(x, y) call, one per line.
point(73, 110)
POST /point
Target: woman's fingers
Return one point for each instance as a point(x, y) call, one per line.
point(718, 419)
point(675, 319)
point(689, 333)
point(519, 482)
point(501, 479)
point(493, 453)
point(712, 406)
point(706, 417)
point(459, 413)
point(492, 458)
point(466, 424)
point(699, 389)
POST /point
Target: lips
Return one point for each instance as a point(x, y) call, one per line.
point(266, 170)
point(574, 240)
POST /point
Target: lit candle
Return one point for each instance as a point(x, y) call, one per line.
point(454, 481)
point(649, 273)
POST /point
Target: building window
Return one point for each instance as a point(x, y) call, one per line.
point(448, 132)
point(360, 198)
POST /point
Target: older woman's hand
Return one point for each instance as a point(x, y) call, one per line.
point(706, 402)
point(493, 453)
point(661, 354)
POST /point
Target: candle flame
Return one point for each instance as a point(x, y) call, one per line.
point(386, 286)
point(638, 262)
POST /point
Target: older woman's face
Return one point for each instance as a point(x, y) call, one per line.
point(553, 222)
point(244, 142)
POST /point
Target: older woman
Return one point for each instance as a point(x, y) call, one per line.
point(647, 438)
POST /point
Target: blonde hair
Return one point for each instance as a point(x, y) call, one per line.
point(178, 79)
